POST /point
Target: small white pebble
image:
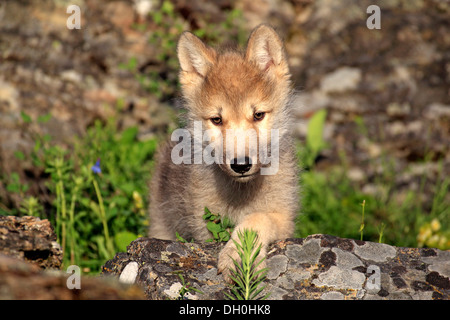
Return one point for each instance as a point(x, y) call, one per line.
point(129, 273)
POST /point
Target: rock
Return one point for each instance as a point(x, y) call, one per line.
point(341, 80)
point(20, 280)
point(143, 7)
point(28, 245)
point(317, 267)
point(396, 110)
point(276, 12)
point(436, 111)
point(76, 76)
point(120, 13)
point(390, 79)
point(30, 239)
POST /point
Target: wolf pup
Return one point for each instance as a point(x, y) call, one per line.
point(242, 162)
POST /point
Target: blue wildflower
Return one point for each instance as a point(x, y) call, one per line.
point(96, 168)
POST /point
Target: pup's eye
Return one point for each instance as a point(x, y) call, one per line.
point(258, 116)
point(216, 120)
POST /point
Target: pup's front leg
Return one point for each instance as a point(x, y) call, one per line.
point(269, 227)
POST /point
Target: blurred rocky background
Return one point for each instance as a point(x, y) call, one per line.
point(386, 91)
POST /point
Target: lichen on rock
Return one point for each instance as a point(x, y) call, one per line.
point(316, 267)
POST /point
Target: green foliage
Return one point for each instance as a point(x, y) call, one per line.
point(331, 203)
point(30, 206)
point(162, 80)
point(15, 185)
point(361, 227)
point(314, 139)
point(432, 235)
point(231, 30)
point(247, 276)
point(220, 227)
point(186, 288)
point(181, 239)
point(96, 213)
point(161, 76)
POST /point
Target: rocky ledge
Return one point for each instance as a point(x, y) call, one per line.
point(30, 262)
point(20, 280)
point(317, 267)
point(30, 239)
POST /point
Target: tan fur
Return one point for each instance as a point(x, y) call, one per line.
point(233, 86)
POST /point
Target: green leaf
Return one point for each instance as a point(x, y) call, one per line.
point(200, 33)
point(123, 239)
point(127, 188)
point(207, 211)
point(157, 17)
point(224, 236)
point(207, 215)
point(181, 278)
point(213, 227)
point(100, 241)
point(180, 238)
point(19, 155)
point(129, 135)
point(314, 138)
point(47, 137)
point(25, 117)
point(167, 7)
point(121, 201)
point(15, 177)
point(13, 188)
point(94, 207)
point(44, 118)
point(245, 275)
point(226, 223)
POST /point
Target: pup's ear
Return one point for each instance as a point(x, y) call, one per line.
point(266, 50)
point(195, 57)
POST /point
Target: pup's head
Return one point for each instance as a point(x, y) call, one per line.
point(241, 93)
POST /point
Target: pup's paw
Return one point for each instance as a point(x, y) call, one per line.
point(230, 253)
point(226, 257)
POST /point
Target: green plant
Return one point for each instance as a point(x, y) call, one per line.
point(186, 287)
point(14, 185)
point(432, 235)
point(119, 208)
point(181, 239)
point(31, 207)
point(160, 77)
point(162, 80)
point(220, 227)
point(361, 227)
point(231, 29)
point(95, 211)
point(101, 209)
point(381, 232)
point(331, 204)
point(314, 139)
point(247, 276)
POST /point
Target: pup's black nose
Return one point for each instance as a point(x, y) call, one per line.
point(241, 165)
